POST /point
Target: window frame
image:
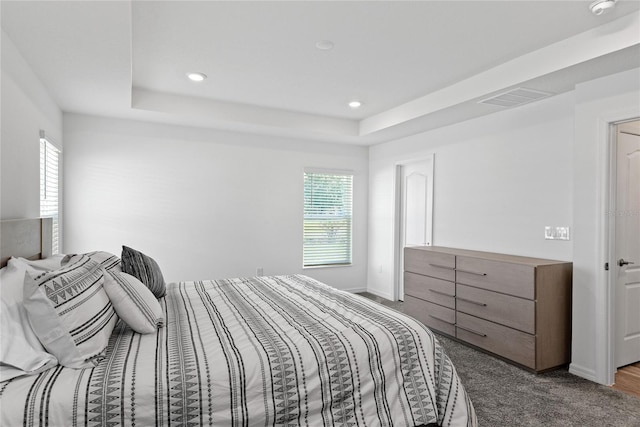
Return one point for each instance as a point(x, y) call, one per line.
point(326, 263)
point(47, 145)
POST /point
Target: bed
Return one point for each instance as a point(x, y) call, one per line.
point(258, 351)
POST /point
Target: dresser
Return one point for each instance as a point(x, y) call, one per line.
point(518, 308)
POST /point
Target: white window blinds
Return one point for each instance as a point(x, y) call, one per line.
point(50, 187)
point(328, 200)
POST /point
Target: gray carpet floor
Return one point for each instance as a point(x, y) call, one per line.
point(505, 395)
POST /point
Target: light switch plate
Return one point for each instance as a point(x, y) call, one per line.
point(556, 233)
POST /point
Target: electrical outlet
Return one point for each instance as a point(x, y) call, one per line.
point(556, 233)
point(259, 271)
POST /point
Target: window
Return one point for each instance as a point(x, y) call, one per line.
point(50, 187)
point(328, 204)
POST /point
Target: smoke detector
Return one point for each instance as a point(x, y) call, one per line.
point(599, 7)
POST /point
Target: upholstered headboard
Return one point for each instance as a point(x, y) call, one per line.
point(27, 238)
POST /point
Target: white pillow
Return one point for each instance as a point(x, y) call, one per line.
point(70, 312)
point(134, 302)
point(21, 353)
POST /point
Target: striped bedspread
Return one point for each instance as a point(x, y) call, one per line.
point(262, 351)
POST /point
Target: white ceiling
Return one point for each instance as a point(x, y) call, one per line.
point(414, 65)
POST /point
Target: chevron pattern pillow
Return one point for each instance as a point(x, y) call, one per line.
point(145, 269)
point(70, 312)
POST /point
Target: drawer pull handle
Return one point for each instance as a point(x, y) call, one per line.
point(471, 330)
point(442, 320)
point(441, 293)
point(442, 266)
point(472, 302)
point(471, 272)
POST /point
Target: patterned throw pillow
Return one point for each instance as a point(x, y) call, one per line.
point(134, 302)
point(108, 261)
point(70, 311)
point(145, 269)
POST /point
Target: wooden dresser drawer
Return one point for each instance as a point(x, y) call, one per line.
point(510, 311)
point(517, 307)
point(501, 340)
point(505, 277)
point(429, 263)
point(434, 316)
point(430, 289)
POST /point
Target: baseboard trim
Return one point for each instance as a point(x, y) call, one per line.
point(380, 294)
point(355, 290)
point(583, 372)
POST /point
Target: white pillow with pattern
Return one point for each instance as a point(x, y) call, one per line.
point(70, 311)
point(134, 302)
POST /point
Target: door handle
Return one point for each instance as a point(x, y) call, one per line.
point(622, 262)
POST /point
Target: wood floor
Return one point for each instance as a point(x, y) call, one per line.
point(628, 379)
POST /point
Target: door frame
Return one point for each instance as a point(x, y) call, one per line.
point(610, 249)
point(397, 214)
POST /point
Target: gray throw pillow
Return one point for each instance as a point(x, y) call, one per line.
point(145, 269)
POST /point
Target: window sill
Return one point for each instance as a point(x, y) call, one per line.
point(310, 267)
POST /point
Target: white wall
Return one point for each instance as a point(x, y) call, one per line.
point(498, 181)
point(26, 109)
point(598, 103)
point(205, 204)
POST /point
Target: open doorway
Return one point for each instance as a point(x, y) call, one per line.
point(413, 212)
point(624, 245)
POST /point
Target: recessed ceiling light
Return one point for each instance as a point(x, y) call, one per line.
point(196, 77)
point(355, 104)
point(324, 45)
point(599, 7)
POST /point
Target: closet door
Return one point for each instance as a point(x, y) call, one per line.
point(415, 210)
point(627, 257)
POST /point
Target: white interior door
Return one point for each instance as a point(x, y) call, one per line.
point(415, 213)
point(627, 245)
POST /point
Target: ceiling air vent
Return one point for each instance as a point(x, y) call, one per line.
point(515, 97)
